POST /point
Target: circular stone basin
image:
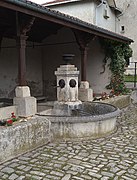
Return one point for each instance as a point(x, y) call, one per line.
point(92, 120)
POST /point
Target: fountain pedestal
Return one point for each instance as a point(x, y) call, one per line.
point(67, 89)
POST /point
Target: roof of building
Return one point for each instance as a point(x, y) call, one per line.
point(56, 2)
point(58, 18)
point(111, 3)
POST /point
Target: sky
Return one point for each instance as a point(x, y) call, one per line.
point(40, 1)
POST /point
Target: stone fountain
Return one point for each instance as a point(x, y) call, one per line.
point(71, 118)
point(67, 88)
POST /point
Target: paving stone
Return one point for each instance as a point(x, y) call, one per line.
point(13, 176)
point(7, 170)
point(74, 161)
point(77, 178)
point(126, 178)
point(52, 177)
point(21, 178)
point(37, 173)
point(95, 175)
point(135, 166)
point(72, 172)
point(66, 177)
point(107, 174)
point(121, 172)
point(28, 168)
point(86, 177)
point(19, 172)
point(21, 167)
point(56, 173)
point(1, 174)
point(105, 178)
point(62, 159)
point(13, 165)
point(5, 176)
point(66, 167)
point(36, 177)
point(24, 158)
point(114, 169)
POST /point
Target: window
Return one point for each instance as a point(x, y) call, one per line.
point(122, 29)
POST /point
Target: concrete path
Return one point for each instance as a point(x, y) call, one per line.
point(113, 157)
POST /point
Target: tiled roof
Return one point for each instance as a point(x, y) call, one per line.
point(72, 21)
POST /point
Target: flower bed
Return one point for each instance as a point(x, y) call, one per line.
point(9, 122)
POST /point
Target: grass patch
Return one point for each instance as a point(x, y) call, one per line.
point(129, 78)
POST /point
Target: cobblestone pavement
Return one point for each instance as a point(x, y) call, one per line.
point(112, 157)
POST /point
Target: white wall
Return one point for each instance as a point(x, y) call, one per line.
point(97, 75)
point(107, 23)
point(89, 11)
point(9, 69)
point(83, 10)
point(52, 58)
point(128, 19)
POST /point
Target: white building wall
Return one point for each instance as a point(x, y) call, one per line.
point(96, 74)
point(105, 17)
point(128, 19)
point(52, 58)
point(9, 69)
point(79, 9)
point(89, 11)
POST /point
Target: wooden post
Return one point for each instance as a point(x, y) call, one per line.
point(83, 39)
point(21, 41)
point(84, 52)
point(22, 28)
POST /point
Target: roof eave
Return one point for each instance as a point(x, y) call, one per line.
point(62, 19)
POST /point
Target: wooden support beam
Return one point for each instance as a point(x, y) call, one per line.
point(22, 29)
point(21, 43)
point(83, 39)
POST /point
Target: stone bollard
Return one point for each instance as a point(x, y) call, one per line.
point(85, 93)
point(26, 105)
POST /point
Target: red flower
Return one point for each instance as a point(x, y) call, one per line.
point(9, 122)
point(13, 117)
